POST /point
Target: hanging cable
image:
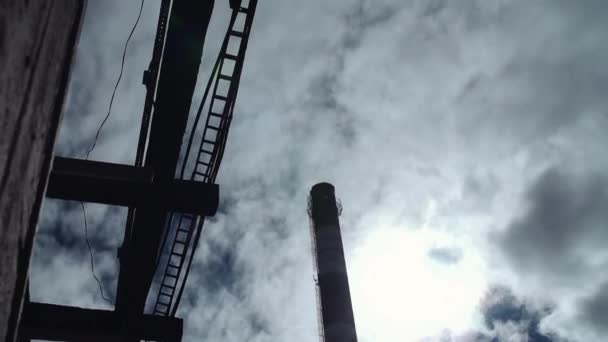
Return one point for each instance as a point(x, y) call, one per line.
point(84, 213)
point(122, 67)
point(86, 236)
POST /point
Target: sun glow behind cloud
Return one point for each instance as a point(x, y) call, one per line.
point(400, 293)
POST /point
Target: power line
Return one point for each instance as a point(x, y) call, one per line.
point(122, 66)
point(86, 236)
point(84, 213)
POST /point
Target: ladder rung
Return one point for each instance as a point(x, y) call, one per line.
point(180, 242)
point(185, 220)
point(224, 77)
point(171, 266)
point(178, 261)
point(215, 114)
point(200, 174)
point(236, 33)
point(158, 300)
point(162, 311)
point(230, 56)
point(177, 254)
point(207, 141)
point(202, 163)
point(215, 128)
point(243, 10)
point(183, 230)
point(174, 270)
point(200, 152)
point(206, 151)
point(220, 97)
point(171, 288)
point(164, 301)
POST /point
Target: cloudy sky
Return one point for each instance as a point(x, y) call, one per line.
point(465, 140)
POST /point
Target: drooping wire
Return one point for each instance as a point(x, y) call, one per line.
point(84, 213)
point(122, 67)
point(86, 236)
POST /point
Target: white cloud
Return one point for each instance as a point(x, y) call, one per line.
point(400, 293)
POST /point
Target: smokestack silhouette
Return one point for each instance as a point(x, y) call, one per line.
point(338, 322)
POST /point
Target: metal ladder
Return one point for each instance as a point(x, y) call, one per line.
point(224, 93)
point(225, 81)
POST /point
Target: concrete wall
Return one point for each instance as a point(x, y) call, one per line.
point(37, 43)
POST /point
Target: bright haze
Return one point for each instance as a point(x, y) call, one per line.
point(466, 141)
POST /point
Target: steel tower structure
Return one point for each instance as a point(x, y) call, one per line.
point(169, 190)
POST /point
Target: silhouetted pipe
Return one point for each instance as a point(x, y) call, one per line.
point(336, 306)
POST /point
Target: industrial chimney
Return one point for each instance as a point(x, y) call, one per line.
point(336, 312)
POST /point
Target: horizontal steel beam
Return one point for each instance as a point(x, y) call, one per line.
point(63, 323)
point(126, 185)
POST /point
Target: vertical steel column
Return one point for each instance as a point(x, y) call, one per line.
point(336, 307)
point(185, 38)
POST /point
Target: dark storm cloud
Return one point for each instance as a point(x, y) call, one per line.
point(258, 323)
point(569, 88)
point(566, 214)
point(500, 308)
point(227, 201)
point(58, 230)
point(433, 8)
point(363, 16)
point(446, 255)
point(326, 86)
point(62, 227)
point(222, 271)
point(554, 79)
point(61, 234)
point(594, 310)
point(559, 241)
